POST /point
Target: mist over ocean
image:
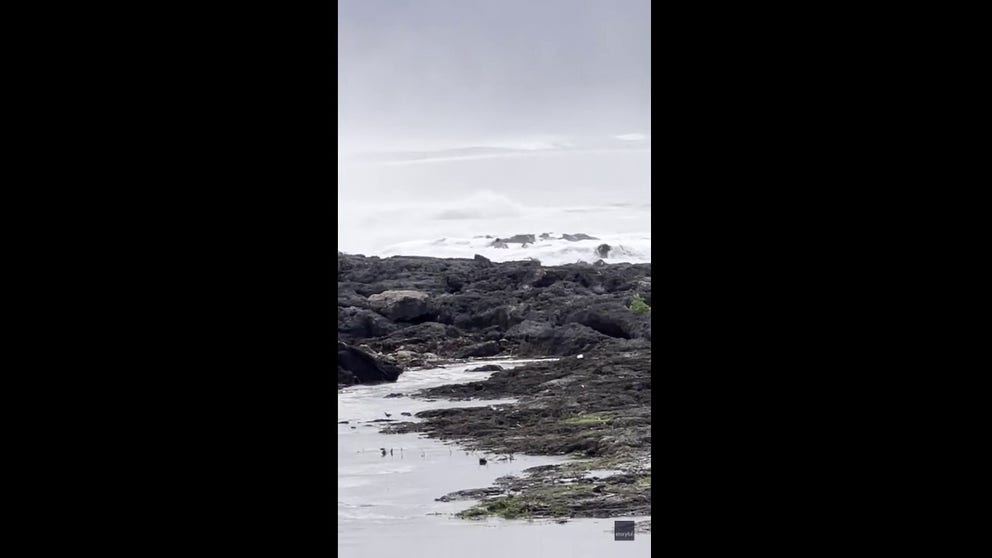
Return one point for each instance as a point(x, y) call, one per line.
point(459, 119)
point(456, 203)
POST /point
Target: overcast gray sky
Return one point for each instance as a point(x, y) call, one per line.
point(422, 74)
point(572, 77)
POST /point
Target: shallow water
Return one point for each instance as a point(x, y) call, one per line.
point(387, 504)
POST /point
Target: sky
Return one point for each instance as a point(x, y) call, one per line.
point(552, 96)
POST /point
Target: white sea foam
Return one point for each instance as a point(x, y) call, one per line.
point(458, 229)
point(631, 248)
point(407, 209)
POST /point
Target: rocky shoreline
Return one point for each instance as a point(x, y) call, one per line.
point(591, 404)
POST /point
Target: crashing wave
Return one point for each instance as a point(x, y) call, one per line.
point(548, 248)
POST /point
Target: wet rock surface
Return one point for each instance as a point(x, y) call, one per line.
point(401, 305)
point(593, 404)
point(596, 409)
point(486, 368)
point(356, 366)
point(418, 311)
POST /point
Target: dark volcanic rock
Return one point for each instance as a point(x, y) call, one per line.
point(483, 261)
point(519, 239)
point(562, 402)
point(603, 250)
point(359, 323)
point(356, 366)
point(487, 349)
point(486, 368)
point(596, 407)
point(577, 237)
point(544, 339)
point(612, 319)
point(427, 337)
point(401, 305)
point(475, 307)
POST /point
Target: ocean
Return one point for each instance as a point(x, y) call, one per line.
point(446, 206)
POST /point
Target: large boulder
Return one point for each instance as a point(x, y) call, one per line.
point(612, 319)
point(544, 339)
point(402, 306)
point(359, 323)
point(356, 366)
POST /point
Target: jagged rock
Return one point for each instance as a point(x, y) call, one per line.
point(359, 323)
point(487, 349)
point(545, 339)
point(486, 368)
point(596, 406)
point(577, 237)
point(356, 366)
point(613, 319)
point(520, 239)
point(401, 305)
point(603, 250)
point(461, 303)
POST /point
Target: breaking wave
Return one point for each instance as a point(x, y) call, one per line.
point(548, 248)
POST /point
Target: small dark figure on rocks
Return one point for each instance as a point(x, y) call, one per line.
point(482, 461)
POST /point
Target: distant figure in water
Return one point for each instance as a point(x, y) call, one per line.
point(390, 451)
point(482, 461)
point(383, 452)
